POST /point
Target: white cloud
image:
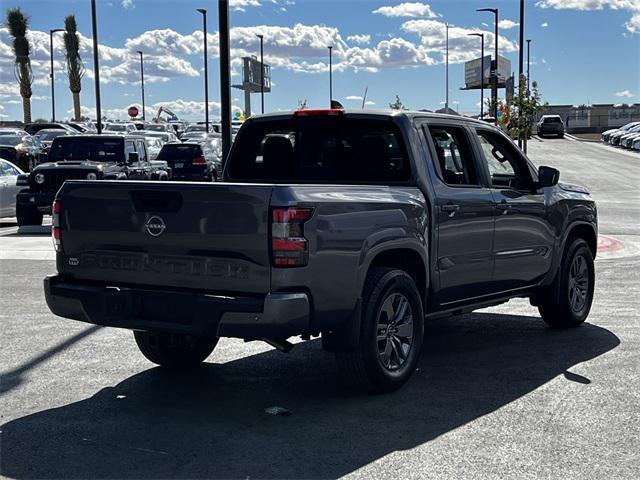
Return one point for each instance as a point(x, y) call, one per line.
point(408, 9)
point(241, 5)
point(633, 6)
point(353, 97)
point(507, 24)
point(624, 93)
point(127, 4)
point(359, 39)
point(369, 102)
point(544, 24)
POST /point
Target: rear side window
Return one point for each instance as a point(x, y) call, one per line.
point(322, 149)
point(179, 151)
point(453, 155)
point(86, 148)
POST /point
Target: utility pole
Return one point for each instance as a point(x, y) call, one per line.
point(446, 72)
point(53, 89)
point(528, 67)
point(96, 66)
point(142, 82)
point(203, 11)
point(481, 35)
point(225, 87)
point(330, 75)
point(520, 73)
point(494, 65)
point(261, 37)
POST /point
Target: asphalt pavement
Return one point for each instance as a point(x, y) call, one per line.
point(496, 394)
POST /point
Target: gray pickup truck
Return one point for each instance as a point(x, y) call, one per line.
point(356, 226)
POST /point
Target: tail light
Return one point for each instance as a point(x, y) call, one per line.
point(199, 161)
point(289, 247)
point(55, 226)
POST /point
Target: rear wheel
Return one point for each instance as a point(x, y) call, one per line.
point(27, 215)
point(174, 349)
point(392, 331)
point(573, 288)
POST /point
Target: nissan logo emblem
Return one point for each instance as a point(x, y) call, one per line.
point(155, 226)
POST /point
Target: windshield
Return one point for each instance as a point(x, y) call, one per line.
point(79, 148)
point(323, 149)
point(177, 151)
point(116, 128)
point(43, 135)
point(7, 140)
point(552, 120)
point(156, 128)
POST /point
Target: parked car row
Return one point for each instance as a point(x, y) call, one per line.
point(627, 136)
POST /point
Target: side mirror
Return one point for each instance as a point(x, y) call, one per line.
point(548, 176)
point(133, 157)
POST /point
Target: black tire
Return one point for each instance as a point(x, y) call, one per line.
point(174, 350)
point(27, 215)
point(365, 365)
point(574, 296)
point(561, 135)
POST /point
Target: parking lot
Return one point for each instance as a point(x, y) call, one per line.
point(496, 395)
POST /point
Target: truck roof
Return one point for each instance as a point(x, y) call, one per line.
point(410, 114)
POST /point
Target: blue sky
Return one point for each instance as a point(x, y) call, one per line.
point(583, 51)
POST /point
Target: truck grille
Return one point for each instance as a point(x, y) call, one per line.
point(54, 180)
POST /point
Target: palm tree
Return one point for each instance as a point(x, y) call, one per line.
point(18, 23)
point(75, 68)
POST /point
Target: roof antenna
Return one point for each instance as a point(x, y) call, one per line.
point(364, 97)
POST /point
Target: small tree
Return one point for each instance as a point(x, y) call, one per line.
point(530, 103)
point(18, 24)
point(75, 68)
point(397, 105)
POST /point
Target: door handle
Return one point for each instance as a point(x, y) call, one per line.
point(504, 207)
point(450, 209)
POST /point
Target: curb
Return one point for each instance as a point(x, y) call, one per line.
point(581, 139)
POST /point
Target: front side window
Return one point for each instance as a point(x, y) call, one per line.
point(507, 168)
point(453, 155)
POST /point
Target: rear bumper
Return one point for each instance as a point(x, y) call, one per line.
point(276, 316)
point(42, 200)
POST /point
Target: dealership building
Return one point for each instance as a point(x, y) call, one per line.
point(597, 117)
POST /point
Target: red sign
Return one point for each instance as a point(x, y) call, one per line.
point(133, 111)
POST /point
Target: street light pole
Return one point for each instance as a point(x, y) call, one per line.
point(446, 71)
point(481, 35)
point(142, 81)
point(225, 87)
point(203, 11)
point(261, 37)
point(494, 65)
point(520, 72)
point(96, 66)
point(53, 89)
point(528, 67)
point(330, 75)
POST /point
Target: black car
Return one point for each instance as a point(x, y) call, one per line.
point(33, 128)
point(46, 136)
point(23, 151)
point(551, 125)
point(191, 161)
point(82, 157)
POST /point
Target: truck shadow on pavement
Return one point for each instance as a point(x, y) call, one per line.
point(211, 422)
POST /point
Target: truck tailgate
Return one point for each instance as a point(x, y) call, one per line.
point(208, 236)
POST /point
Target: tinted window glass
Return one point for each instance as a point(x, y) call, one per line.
point(81, 148)
point(453, 155)
point(506, 166)
point(179, 151)
point(7, 140)
point(552, 120)
point(323, 149)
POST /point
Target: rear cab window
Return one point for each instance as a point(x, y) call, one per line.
point(86, 148)
point(179, 151)
point(320, 149)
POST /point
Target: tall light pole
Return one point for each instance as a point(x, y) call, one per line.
point(446, 71)
point(53, 89)
point(494, 65)
point(330, 75)
point(261, 37)
point(520, 72)
point(528, 67)
point(96, 66)
point(481, 35)
point(203, 11)
point(225, 80)
point(142, 81)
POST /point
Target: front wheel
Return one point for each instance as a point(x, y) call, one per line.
point(391, 335)
point(174, 349)
point(573, 289)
